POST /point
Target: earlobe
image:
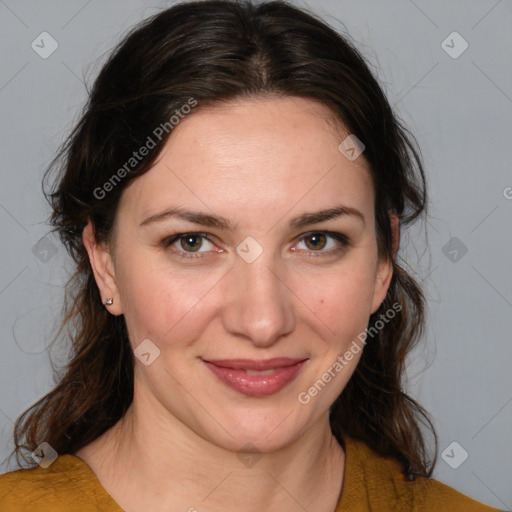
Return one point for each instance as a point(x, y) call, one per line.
point(102, 266)
point(385, 267)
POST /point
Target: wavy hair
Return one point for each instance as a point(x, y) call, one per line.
point(215, 51)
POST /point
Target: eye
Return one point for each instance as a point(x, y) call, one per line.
point(189, 245)
point(186, 244)
point(324, 242)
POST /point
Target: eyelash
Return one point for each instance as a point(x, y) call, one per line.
point(339, 237)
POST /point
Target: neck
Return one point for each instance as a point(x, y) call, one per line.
point(167, 466)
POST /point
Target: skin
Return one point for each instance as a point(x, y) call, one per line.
point(258, 163)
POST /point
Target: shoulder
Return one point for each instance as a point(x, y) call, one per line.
point(382, 485)
point(65, 485)
point(430, 494)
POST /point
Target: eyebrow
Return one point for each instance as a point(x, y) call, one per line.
point(300, 221)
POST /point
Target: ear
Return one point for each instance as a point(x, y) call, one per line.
point(385, 266)
point(103, 268)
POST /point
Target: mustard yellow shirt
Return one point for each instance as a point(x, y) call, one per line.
point(371, 484)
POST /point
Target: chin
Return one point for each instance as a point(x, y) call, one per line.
point(265, 431)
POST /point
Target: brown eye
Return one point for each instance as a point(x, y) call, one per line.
point(191, 243)
point(323, 243)
point(315, 241)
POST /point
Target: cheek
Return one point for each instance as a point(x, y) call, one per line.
point(342, 298)
point(159, 302)
point(144, 297)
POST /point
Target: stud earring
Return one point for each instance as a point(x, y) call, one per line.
point(109, 302)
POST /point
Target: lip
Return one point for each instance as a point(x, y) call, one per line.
point(233, 373)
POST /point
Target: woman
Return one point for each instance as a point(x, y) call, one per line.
point(233, 197)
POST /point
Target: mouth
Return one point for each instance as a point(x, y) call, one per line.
point(256, 378)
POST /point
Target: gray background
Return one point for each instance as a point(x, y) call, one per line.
point(460, 110)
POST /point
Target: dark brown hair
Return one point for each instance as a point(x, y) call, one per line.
point(214, 51)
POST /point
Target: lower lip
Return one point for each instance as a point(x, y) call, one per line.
point(256, 385)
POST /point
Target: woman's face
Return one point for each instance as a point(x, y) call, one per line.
point(287, 270)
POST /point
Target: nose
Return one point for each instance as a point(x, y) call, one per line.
point(259, 305)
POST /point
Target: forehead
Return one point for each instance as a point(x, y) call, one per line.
point(251, 157)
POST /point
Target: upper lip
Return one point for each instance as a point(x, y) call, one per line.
point(255, 364)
